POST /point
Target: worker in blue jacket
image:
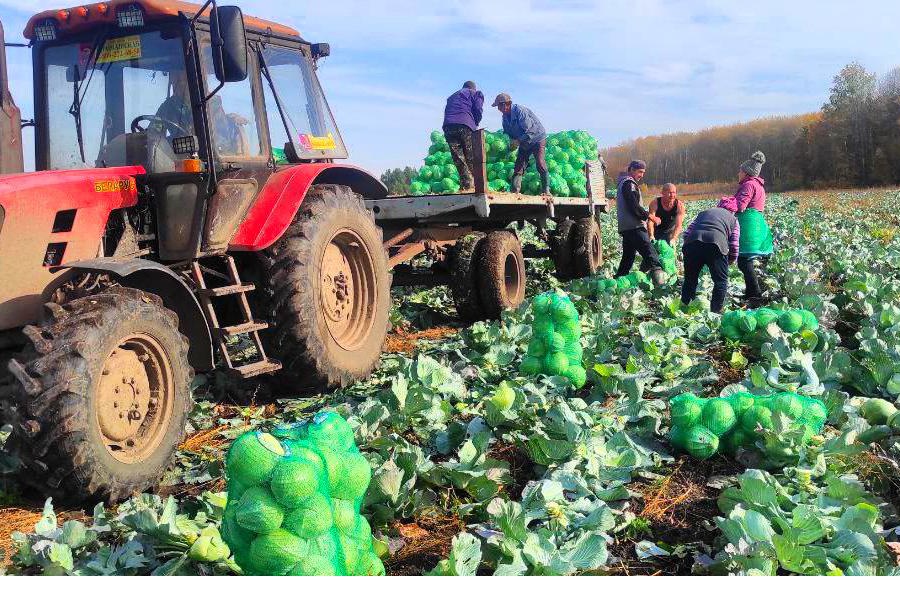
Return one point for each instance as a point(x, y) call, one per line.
point(529, 135)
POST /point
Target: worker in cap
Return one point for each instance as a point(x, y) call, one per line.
point(527, 132)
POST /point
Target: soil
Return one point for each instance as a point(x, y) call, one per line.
point(426, 541)
point(720, 356)
point(521, 467)
point(402, 341)
point(23, 520)
point(679, 510)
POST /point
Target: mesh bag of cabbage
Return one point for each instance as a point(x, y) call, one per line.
point(555, 347)
point(667, 257)
point(294, 498)
point(599, 286)
point(703, 426)
point(567, 151)
point(752, 326)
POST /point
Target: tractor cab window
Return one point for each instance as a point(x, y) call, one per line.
point(232, 116)
point(304, 118)
point(100, 92)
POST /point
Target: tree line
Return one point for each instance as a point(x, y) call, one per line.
point(398, 181)
point(854, 141)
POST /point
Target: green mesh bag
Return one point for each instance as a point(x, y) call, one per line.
point(701, 427)
point(718, 416)
point(751, 326)
point(294, 499)
point(600, 286)
point(666, 257)
point(555, 348)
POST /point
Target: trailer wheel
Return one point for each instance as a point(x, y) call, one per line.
point(464, 260)
point(587, 247)
point(502, 273)
point(326, 289)
point(103, 394)
point(563, 250)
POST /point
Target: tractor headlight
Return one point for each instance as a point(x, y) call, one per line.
point(130, 16)
point(45, 31)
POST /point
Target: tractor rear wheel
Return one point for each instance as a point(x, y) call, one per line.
point(102, 395)
point(564, 251)
point(587, 247)
point(501, 273)
point(326, 290)
point(465, 258)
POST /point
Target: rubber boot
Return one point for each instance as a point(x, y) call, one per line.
point(516, 184)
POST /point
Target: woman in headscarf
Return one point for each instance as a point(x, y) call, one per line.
point(756, 237)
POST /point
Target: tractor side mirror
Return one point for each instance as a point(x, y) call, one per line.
point(229, 40)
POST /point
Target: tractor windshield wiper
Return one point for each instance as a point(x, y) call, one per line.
point(268, 76)
point(80, 91)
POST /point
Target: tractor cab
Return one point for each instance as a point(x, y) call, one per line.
point(208, 103)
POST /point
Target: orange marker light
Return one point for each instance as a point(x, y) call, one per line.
point(191, 165)
point(102, 8)
point(63, 15)
point(82, 11)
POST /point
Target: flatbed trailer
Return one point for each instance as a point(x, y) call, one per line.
point(468, 238)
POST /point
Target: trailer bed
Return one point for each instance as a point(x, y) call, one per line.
point(479, 207)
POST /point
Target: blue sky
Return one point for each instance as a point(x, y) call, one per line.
point(619, 69)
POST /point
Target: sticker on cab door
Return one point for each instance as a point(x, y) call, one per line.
point(311, 142)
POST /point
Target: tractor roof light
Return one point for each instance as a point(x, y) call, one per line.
point(130, 16)
point(45, 31)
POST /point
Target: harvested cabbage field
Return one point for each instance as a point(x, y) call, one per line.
point(479, 468)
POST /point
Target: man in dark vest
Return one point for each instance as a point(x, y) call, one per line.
point(713, 240)
point(462, 116)
point(670, 211)
point(632, 218)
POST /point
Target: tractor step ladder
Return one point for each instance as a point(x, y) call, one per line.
point(250, 327)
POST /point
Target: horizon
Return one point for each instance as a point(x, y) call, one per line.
point(388, 77)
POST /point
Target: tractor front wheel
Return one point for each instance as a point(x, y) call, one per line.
point(102, 395)
point(326, 290)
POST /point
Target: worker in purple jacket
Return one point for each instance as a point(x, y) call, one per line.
point(461, 118)
point(713, 240)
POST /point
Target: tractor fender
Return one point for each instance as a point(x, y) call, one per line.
point(173, 290)
point(281, 196)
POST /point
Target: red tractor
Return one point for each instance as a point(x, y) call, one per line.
point(186, 198)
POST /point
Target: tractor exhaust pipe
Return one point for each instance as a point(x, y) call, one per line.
point(11, 156)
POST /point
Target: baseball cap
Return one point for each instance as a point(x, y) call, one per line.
point(503, 98)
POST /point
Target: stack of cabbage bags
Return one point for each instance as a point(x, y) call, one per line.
point(750, 326)
point(667, 257)
point(555, 347)
point(703, 426)
point(293, 501)
point(566, 154)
